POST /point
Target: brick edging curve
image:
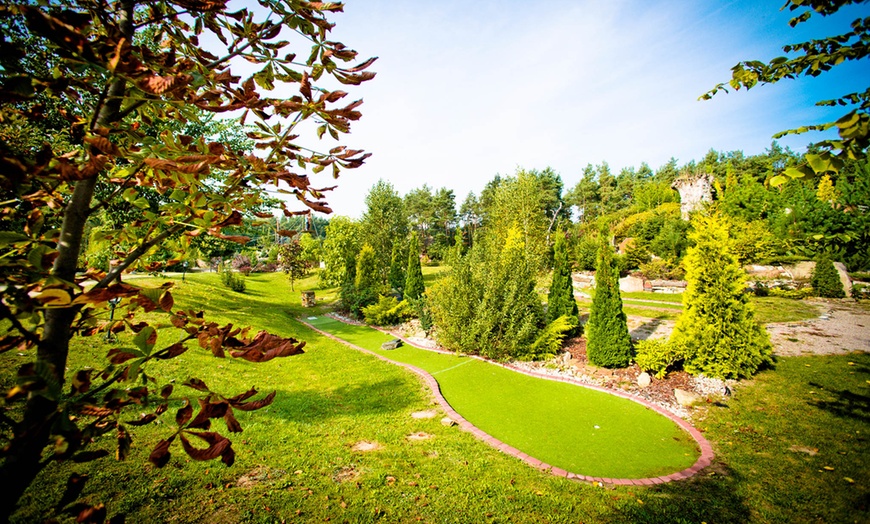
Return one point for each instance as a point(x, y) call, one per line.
point(703, 461)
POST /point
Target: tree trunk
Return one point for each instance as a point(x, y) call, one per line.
point(24, 454)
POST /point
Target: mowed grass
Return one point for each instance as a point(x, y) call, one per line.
point(570, 427)
point(296, 454)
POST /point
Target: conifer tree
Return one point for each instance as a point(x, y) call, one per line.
point(560, 300)
point(608, 343)
point(414, 287)
point(717, 334)
point(397, 269)
point(825, 279)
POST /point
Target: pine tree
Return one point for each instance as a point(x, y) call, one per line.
point(414, 287)
point(560, 300)
point(608, 341)
point(717, 334)
point(825, 279)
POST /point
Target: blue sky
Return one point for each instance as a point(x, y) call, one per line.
point(466, 90)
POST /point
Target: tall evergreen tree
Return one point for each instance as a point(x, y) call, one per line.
point(397, 269)
point(560, 300)
point(414, 287)
point(608, 343)
point(717, 333)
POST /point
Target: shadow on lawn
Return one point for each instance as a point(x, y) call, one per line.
point(845, 403)
point(362, 399)
point(643, 331)
point(710, 497)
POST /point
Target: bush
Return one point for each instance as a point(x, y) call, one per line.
point(761, 289)
point(422, 312)
point(717, 333)
point(387, 311)
point(795, 294)
point(860, 291)
point(826, 280)
point(657, 356)
point(608, 341)
point(661, 269)
point(549, 341)
point(232, 279)
point(414, 287)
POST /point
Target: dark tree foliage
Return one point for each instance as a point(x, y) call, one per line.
point(560, 300)
point(608, 341)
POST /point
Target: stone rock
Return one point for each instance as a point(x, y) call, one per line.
point(801, 271)
point(644, 380)
point(844, 278)
point(391, 344)
point(694, 189)
point(447, 421)
point(687, 398)
point(630, 284)
point(429, 413)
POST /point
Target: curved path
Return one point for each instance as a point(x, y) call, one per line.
point(703, 461)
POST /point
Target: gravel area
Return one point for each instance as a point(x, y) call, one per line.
point(843, 327)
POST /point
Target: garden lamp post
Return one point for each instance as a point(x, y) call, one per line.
point(112, 303)
point(184, 273)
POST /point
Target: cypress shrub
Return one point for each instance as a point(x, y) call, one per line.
point(608, 343)
point(717, 334)
point(560, 300)
point(414, 287)
point(825, 279)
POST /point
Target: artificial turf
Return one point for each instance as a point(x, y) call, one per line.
point(574, 428)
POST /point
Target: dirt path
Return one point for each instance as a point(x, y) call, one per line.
point(843, 327)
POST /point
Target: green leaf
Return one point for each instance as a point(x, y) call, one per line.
point(11, 237)
point(778, 180)
point(141, 203)
point(798, 172)
point(146, 339)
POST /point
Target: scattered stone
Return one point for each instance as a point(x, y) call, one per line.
point(447, 421)
point(644, 380)
point(391, 344)
point(630, 284)
point(687, 398)
point(419, 436)
point(365, 445)
point(429, 413)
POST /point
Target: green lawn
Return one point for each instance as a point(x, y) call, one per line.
point(297, 456)
point(577, 429)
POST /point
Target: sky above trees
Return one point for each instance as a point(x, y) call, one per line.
point(466, 90)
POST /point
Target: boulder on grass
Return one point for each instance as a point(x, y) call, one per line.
point(687, 398)
point(391, 344)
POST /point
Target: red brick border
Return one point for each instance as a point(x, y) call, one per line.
point(703, 461)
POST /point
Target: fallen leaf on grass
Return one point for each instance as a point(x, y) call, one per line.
point(828, 468)
point(803, 449)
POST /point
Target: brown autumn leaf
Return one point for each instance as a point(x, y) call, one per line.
point(95, 411)
point(216, 447)
point(266, 346)
point(256, 404)
point(286, 233)
point(242, 396)
point(81, 381)
point(103, 144)
point(184, 413)
point(143, 420)
point(119, 356)
point(166, 301)
point(208, 411)
point(160, 454)
point(232, 424)
point(157, 85)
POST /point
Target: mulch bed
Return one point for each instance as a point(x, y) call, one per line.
point(659, 390)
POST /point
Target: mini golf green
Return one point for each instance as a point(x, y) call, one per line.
point(577, 429)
